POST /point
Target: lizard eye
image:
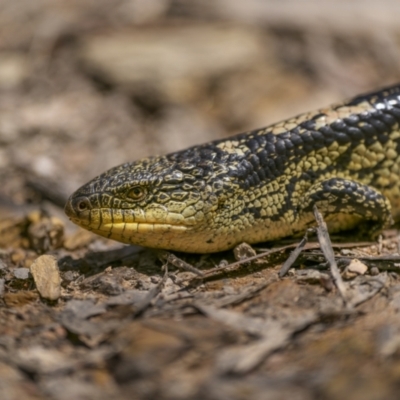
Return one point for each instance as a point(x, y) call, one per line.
point(137, 193)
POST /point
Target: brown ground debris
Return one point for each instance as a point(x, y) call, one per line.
point(86, 85)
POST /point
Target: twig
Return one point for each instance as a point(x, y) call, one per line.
point(233, 266)
point(310, 246)
point(293, 256)
point(386, 257)
point(179, 263)
point(326, 247)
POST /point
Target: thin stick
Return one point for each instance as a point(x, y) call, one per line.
point(293, 256)
point(179, 263)
point(326, 247)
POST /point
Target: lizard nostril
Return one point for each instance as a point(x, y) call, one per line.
point(77, 206)
point(82, 206)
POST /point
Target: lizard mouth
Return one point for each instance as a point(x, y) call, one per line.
point(141, 233)
point(125, 232)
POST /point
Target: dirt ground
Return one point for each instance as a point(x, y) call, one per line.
point(89, 84)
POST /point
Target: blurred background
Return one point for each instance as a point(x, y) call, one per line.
point(89, 84)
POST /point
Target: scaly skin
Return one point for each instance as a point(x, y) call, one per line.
point(256, 186)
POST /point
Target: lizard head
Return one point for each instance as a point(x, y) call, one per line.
point(160, 202)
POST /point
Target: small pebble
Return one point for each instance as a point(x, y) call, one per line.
point(70, 276)
point(243, 251)
point(357, 267)
point(373, 249)
point(47, 277)
point(155, 279)
point(374, 271)
point(345, 252)
point(21, 273)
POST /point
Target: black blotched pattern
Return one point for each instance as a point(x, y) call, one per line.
point(268, 154)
